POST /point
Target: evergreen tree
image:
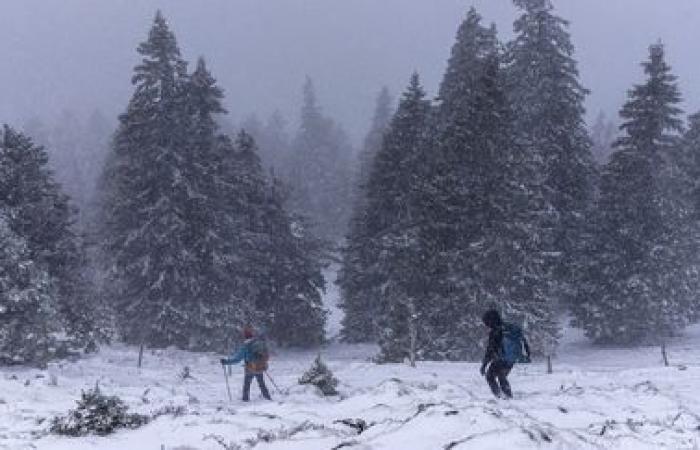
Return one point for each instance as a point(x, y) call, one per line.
point(276, 141)
point(277, 268)
point(319, 170)
point(603, 134)
point(147, 232)
point(41, 215)
point(642, 283)
point(548, 98)
point(381, 212)
point(487, 205)
point(27, 307)
point(296, 316)
point(373, 141)
point(271, 138)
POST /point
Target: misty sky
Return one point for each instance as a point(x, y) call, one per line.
point(78, 54)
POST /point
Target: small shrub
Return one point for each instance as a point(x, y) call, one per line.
point(97, 414)
point(320, 375)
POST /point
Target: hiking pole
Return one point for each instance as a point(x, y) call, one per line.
point(228, 388)
point(273, 383)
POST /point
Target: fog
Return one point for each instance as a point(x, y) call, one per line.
point(78, 54)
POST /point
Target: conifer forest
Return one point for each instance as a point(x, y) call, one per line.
point(358, 185)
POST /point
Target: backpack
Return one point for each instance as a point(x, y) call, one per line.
point(512, 346)
point(258, 356)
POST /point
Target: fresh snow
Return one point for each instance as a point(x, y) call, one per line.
point(597, 398)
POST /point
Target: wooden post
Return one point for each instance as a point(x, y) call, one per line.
point(412, 331)
point(664, 354)
point(140, 355)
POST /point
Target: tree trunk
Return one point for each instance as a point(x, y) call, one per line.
point(664, 354)
point(412, 332)
point(140, 355)
point(549, 365)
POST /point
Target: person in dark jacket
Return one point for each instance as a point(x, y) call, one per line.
point(498, 368)
point(254, 354)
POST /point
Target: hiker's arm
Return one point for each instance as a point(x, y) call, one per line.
point(491, 350)
point(237, 357)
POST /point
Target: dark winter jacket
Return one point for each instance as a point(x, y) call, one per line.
point(495, 344)
point(494, 349)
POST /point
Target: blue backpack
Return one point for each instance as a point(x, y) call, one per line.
point(512, 351)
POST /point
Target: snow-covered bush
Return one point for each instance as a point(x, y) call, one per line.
point(320, 375)
point(97, 414)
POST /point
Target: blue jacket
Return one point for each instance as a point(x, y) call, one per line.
point(243, 354)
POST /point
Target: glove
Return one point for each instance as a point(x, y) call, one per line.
point(483, 370)
point(224, 361)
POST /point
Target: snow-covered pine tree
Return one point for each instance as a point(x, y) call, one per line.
point(545, 90)
point(383, 112)
point(603, 135)
point(362, 327)
point(272, 140)
point(41, 215)
point(384, 234)
point(642, 282)
point(27, 305)
point(147, 230)
point(319, 170)
point(217, 303)
point(291, 276)
point(486, 203)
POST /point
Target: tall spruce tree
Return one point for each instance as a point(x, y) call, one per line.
point(275, 268)
point(603, 135)
point(319, 170)
point(148, 231)
point(380, 218)
point(549, 99)
point(487, 205)
point(41, 215)
point(642, 283)
point(383, 112)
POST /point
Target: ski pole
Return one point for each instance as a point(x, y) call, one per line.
point(228, 388)
point(274, 384)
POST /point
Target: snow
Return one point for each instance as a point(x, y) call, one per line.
point(331, 300)
point(597, 398)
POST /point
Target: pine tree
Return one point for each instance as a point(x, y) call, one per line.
point(642, 283)
point(41, 215)
point(380, 217)
point(319, 170)
point(296, 316)
point(271, 139)
point(28, 323)
point(218, 305)
point(549, 99)
point(147, 231)
point(603, 134)
point(487, 206)
point(373, 141)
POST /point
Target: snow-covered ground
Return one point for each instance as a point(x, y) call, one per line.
point(611, 398)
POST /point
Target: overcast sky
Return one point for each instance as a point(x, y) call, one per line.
point(78, 54)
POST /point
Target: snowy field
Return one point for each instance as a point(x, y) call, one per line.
point(596, 398)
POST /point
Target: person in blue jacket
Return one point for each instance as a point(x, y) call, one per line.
point(255, 356)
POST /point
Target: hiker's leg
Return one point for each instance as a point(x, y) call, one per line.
point(247, 379)
point(263, 388)
point(503, 379)
point(491, 375)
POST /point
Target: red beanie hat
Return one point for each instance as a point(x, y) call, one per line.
point(248, 332)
